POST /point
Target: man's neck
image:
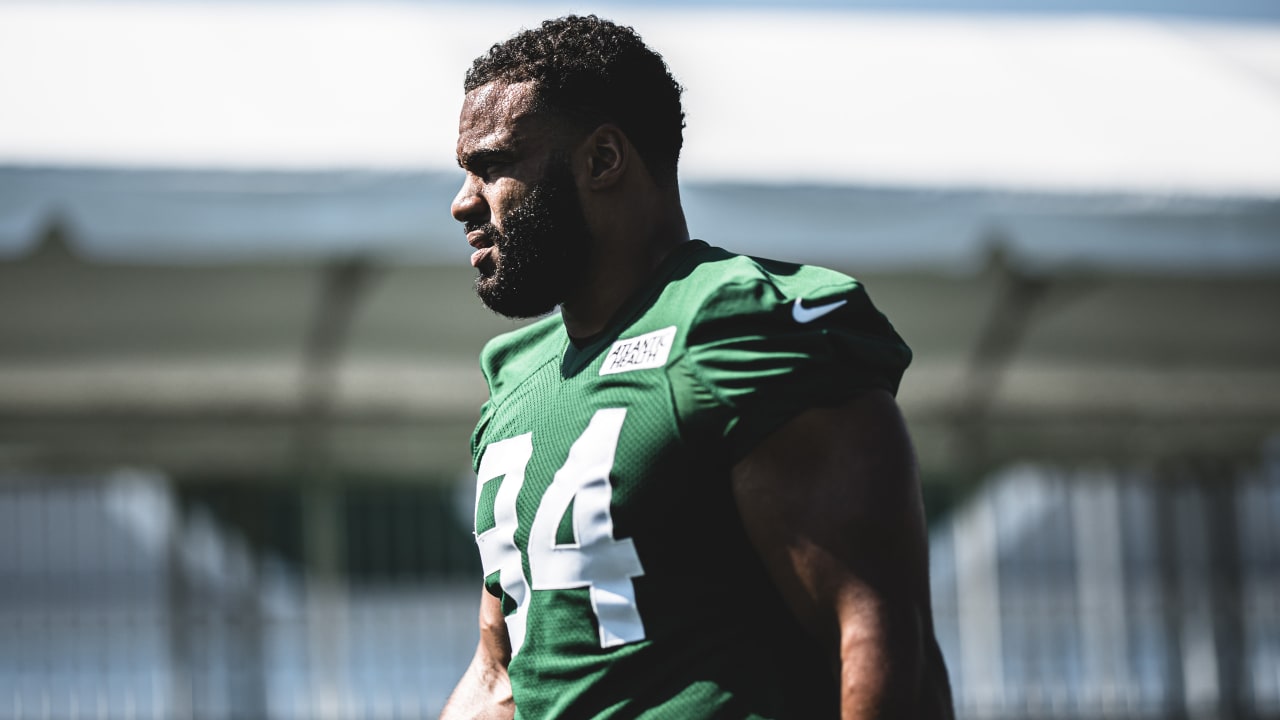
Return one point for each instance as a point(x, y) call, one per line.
point(618, 272)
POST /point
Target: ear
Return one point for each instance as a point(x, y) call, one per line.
point(608, 155)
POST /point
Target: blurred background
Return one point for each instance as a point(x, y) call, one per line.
point(238, 340)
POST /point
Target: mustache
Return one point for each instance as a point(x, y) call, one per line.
point(490, 232)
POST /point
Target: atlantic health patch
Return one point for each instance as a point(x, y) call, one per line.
point(642, 352)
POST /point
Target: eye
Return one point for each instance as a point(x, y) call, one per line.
point(486, 164)
point(489, 170)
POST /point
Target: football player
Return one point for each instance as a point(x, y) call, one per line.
point(696, 497)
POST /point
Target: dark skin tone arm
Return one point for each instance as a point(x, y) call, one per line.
point(832, 504)
point(484, 692)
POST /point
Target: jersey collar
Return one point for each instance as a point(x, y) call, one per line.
point(577, 357)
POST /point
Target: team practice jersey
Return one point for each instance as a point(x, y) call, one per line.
point(605, 515)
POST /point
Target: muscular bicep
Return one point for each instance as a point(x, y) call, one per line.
point(832, 505)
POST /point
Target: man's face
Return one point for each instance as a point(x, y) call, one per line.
point(519, 204)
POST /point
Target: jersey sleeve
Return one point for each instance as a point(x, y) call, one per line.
point(505, 361)
point(758, 354)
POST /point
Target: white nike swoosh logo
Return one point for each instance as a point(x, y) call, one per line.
point(804, 314)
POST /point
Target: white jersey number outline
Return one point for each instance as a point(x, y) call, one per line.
point(595, 560)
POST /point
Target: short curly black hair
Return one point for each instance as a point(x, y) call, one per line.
point(594, 71)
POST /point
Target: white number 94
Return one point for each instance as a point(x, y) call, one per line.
point(595, 559)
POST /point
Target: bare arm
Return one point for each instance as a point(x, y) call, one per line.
point(832, 504)
point(484, 692)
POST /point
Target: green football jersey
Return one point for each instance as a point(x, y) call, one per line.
point(604, 512)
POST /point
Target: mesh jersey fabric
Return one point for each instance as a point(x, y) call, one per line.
point(694, 370)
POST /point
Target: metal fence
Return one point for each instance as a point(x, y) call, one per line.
point(1058, 593)
point(1106, 594)
point(125, 596)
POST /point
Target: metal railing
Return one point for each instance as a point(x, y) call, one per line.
point(1058, 593)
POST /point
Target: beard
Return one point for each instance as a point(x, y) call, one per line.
point(543, 250)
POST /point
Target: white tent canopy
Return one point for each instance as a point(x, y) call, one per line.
point(179, 131)
point(1112, 162)
point(1057, 104)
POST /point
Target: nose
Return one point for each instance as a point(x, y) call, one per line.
point(468, 204)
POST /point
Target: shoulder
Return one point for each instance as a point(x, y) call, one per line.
point(518, 352)
point(768, 339)
point(731, 295)
point(508, 360)
point(718, 284)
